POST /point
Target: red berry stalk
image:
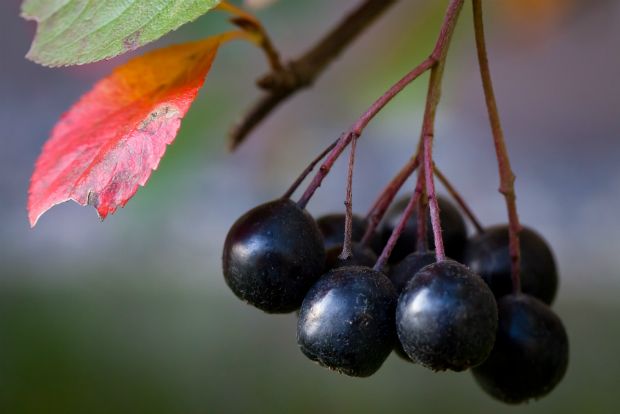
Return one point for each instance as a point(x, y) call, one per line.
point(434, 60)
point(348, 203)
point(409, 209)
point(506, 175)
point(460, 201)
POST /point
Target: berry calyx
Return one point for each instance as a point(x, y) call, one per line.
point(487, 254)
point(346, 321)
point(530, 355)
point(272, 255)
point(454, 231)
point(361, 256)
point(446, 317)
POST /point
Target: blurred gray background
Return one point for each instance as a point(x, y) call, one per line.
point(133, 316)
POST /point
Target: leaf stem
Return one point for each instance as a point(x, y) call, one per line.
point(258, 34)
point(506, 175)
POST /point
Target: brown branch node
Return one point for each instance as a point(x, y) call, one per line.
point(301, 72)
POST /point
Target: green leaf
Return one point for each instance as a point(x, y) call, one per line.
point(74, 32)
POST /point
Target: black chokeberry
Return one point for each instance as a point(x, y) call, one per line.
point(446, 317)
point(346, 321)
point(530, 355)
point(361, 256)
point(272, 255)
point(401, 273)
point(453, 230)
point(487, 254)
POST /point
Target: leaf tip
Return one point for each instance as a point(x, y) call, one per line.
point(34, 215)
point(36, 211)
point(32, 221)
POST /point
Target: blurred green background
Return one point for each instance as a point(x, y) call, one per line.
point(133, 316)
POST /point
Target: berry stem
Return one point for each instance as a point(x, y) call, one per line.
point(432, 196)
point(506, 175)
point(409, 209)
point(460, 200)
point(380, 206)
point(348, 218)
point(308, 170)
point(324, 169)
point(422, 241)
point(428, 128)
point(434, 60)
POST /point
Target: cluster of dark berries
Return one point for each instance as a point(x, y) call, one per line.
point(451, 314)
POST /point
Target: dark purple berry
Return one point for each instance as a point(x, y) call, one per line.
point(446, 317)
point(487, 255)
point(346, 322)
point(401, 274)
point(530, 355)
point(272, 255)
point(454, 231)
point(361, 256)
point(404, 271)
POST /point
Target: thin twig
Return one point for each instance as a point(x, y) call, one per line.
point(391, 243)
point(302, 71)
point(381, 204)
point(433, 61)
point(422, 239)
point(432, 196)
point(377, 211)
point(308, 170)
point(347, 250)
point(428, 126)
point(459, 200)
point(506, 175)
point(360, 124)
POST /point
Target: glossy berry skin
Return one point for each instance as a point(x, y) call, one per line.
point(401, 273)
point(362, 256)
point(272, 255)
point(332, 229)
point(404, 271)
point(454, 231)
point(487, 254)
point(346, 322)
point(446, 317)
point(530, 355)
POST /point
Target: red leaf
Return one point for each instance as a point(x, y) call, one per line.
point(114, 136)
